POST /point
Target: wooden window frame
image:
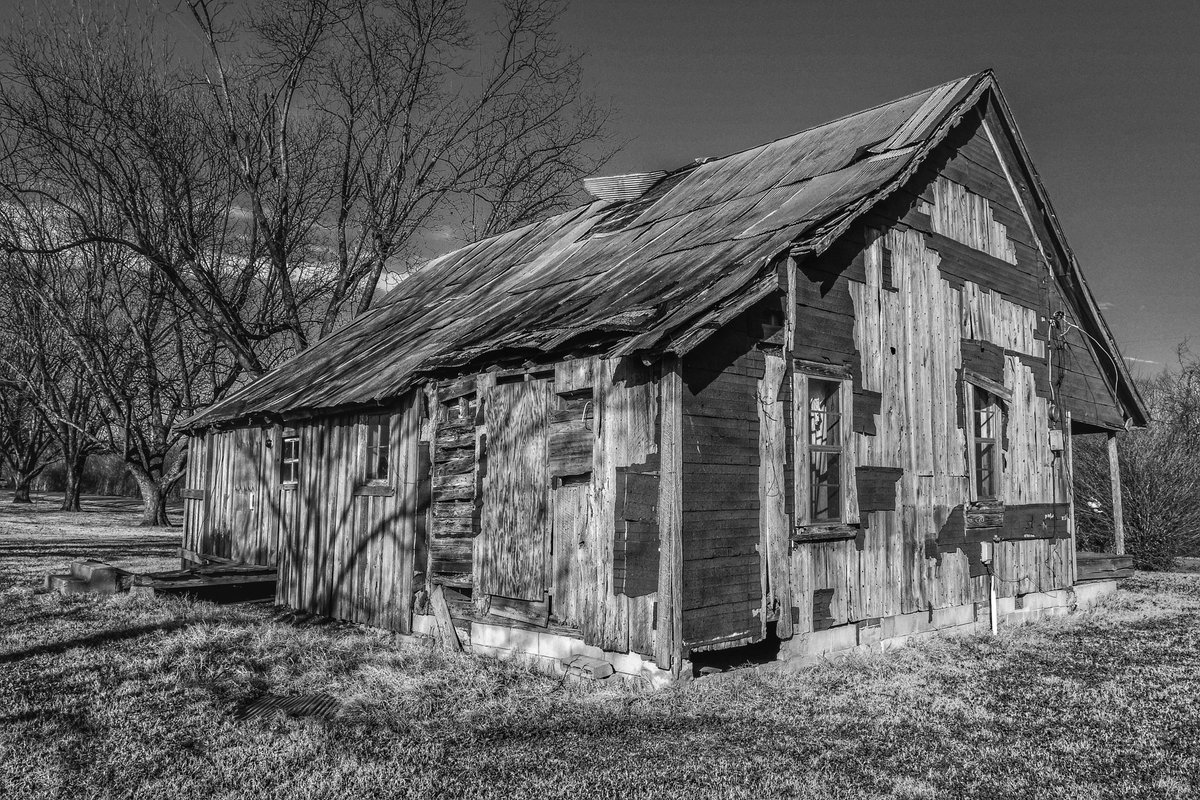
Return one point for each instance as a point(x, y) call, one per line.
point(286, 461)
point(373, 446)
point(997, 397)
point(802, 374)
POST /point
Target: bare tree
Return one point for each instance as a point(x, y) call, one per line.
point(214, 213)
point(100, 133)
point(355, 125)
point(314, 147)
point(131, 345)
point(26, 445)
point(1160, 474)
point(37, 357)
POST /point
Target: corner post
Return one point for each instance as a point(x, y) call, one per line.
point(1069, 463)
point(1114, 471)
point(668, 647)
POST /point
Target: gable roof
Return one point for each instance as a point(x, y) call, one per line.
point(655, 274)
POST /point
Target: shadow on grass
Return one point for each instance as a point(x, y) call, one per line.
point(94, 640)
point(163, 546)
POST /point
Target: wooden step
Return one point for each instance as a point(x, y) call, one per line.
point(1102, 566)
point(67, 584)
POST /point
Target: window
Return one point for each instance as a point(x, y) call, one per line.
point(986, 457)
point(824, 450)
point(822, 437)
point(378, 439)
point(289, 461)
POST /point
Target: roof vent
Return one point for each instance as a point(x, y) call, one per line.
point(622, 187)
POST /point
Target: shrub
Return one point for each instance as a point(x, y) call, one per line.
point(1160, 475)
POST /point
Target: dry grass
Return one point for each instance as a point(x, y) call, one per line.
point(130, 697)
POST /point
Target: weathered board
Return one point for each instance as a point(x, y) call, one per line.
point(515, 539)
point(722, 581)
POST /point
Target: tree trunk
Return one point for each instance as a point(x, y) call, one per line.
point(74, 479)
point(21, 488)
point(154, 500)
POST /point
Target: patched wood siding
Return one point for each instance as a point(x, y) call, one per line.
point(952, 286)
point(554, 460)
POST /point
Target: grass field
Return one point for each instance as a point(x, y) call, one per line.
point(131, 697)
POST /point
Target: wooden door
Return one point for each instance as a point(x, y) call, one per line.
point(512, 555)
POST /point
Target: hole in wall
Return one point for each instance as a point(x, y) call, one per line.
point(764, 652)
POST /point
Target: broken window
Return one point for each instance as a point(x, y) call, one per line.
point(822, 417)
point(986, 463)
point(378, 438)
point(824, 451)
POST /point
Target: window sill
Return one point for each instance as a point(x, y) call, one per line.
point(374, 490)
point(832, 532)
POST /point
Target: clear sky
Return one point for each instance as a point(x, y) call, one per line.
point(1105, 93)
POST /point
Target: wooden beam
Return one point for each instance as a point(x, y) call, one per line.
point(668, 646)
point(443, 628)
point(772, 511)
point(1069, 461)
point(1114, 471)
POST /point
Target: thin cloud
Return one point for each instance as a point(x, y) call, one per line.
point(1141, 360)
point(1105, 306)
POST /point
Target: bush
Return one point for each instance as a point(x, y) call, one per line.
point(1160, 475)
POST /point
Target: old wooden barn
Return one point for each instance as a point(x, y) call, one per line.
point(822, 390)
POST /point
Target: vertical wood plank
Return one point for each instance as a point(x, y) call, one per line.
point(1069, 464)
point(773, 527)
point(669, 639)
point(1114, 471)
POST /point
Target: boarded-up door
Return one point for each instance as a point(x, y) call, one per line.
point(516, 492)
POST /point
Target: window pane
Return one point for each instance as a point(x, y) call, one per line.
point(985, 414)
point(985, 477)
point(824, 412)
point(289, 461)
point(826, 490)
point(985, 423)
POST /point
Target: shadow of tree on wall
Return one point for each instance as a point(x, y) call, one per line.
point(337, 544)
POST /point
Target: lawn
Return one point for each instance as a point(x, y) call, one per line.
point(133, 697)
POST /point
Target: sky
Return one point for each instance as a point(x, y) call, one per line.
point(1106, 95)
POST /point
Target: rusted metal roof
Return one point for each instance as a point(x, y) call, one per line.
point(652, 274)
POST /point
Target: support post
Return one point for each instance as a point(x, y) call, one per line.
point(668, 646)
point(1114, 471)
point(1069, 463)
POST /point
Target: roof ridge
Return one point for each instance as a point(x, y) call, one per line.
point(860, 112)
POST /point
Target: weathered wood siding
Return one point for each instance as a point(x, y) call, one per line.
point(946, 281)
point(350, 554)
point(231, 504)
point(514, 545)
point(899, 304)
point(342, 548)
point(555, 482)
point(722, 580)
